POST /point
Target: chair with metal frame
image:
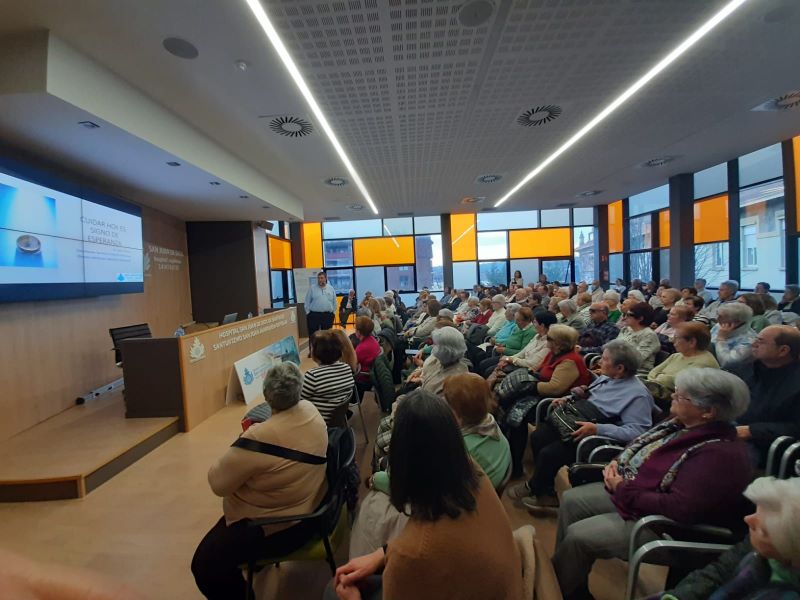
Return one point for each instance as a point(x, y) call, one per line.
point(357, 399)
point(330, 517)
point(789, 462)
point(776, 451)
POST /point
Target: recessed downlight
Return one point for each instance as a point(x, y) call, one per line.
point(173, 163)
point(355, 207)
point(241, 65)
point(214, 183)
point(244, 196)
point(336, 181)
point(665, 62)
point(588, 193)
point(319, 117)
point(89, 124)
point(180, 48)
point(472, 200)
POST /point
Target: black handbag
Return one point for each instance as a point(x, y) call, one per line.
point(517, 384)
point(564, 417)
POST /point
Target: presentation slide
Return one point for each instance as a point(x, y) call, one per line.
point(49, 237)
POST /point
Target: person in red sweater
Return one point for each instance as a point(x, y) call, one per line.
point(368, 348)
point(690, 468)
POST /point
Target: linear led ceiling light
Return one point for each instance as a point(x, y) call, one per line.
point(704, 29)
point(272, 34)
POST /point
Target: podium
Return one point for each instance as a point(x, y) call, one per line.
point(187, 377)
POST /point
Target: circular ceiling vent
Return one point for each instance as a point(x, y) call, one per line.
point(588, 193)
point(355, 207)
point(336, 181)
point(475, 13)
point(658, 162)
point(291, 126)
point(180, 48)
point(489, 178)
point(539, 116)
point(788, 101)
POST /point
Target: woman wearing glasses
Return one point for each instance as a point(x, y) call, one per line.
point(690, 468)
point(636, 331)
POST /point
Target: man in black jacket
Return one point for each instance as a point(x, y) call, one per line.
point(774, 382)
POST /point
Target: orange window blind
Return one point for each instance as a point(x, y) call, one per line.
point(369, 252)
point(539, 243)
point(280, 253)
point(663, 229)
point(312, 245)
point(615, 226)
point(796, 147)
point(462, 232)
point(711, 220)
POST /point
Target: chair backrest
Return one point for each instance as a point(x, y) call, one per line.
point(338, 418)
point(788, 461)
point(341, 455)
point(142, 330)
point(381, 376)
point(661, 356)
point(775, 454)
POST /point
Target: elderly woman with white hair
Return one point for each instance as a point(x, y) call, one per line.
point(611, 298)
point(569, 315)
point(766, 565)
point(446, 359)
point(732, 337)
point(255, 484)
point(690, 468)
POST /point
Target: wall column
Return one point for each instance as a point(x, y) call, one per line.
point(681, 230)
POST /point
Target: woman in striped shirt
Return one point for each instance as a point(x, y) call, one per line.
point(331, 383)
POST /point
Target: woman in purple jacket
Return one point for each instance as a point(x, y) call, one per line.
point(690, 468)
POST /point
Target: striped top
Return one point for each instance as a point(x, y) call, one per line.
point(328, 386)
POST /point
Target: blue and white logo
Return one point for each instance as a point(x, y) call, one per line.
point(120, 277)
point(248, 377)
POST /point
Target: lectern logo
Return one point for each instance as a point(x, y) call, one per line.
point(248, 377)
point(197, 351)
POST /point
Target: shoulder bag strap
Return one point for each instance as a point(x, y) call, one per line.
point(279, 451)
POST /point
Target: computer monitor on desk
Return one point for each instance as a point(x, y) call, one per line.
point(230, 318)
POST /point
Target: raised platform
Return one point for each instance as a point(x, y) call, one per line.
point(72, 453)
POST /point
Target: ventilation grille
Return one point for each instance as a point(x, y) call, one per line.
point(492, 178)
point(534, 117)
point(787, 101)
point(291, 126)
point(336, 181)
point(658, 162)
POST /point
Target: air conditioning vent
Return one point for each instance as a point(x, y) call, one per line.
point(540, 115)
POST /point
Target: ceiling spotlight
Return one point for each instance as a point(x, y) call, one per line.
point(355, 207)
point(214, 183)
point(588, 193)
point(89, 124)
point(540, 115)
point(244, 196)
point(474, 13)
point(472, 199)
point(242, 65)
point(489, 178)
point(180, 48)
point(319, 117)
point(173, 163)
point(336, 181)
point(665, 62)
point(658, 162)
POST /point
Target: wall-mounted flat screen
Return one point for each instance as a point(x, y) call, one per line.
point(55, 244)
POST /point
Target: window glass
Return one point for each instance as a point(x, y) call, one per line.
point(663, 263)
point(641, 231)
point(287, 231)
point(399, 226)
point(338, 253)
point(400, 278)
point(648, 201)
point(276, 228)
point(557, 270)
point(493, 272)
point(464, 275)
point(276, 281)
point(280, 253)
point(492, 244)
point(713, 180)
point(312, 245)
point(540, 243)
point(370, 279)
point(711, 263)
point(428, 224)
point(341, 280)
point(615, 267)
point(352, 229)
point(521, 219)
point(583, 216)
point(761, 165)
point(557, 217)
point(409, 299)
point(428, 251)
point(711, 220)
point(584, 240)
point(529, 267)
point(462, 236)
point(641, 265)
point(290, 279)
point(395, 250)
point(762, 234)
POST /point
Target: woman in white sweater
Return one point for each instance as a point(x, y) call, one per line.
point(636, 331)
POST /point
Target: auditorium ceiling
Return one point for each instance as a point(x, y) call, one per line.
point(430, 111)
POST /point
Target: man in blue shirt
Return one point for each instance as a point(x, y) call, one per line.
point(320, 304)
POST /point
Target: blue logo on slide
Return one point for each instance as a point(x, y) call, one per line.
point(248, 377)
point(120, 277)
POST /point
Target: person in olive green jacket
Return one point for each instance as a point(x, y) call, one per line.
point(520, 338)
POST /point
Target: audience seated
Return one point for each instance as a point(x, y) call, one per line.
point(532, 355)
point(791, 299)
point(696, 303)
point(615, 405)
point(597, 291)
point(520, 336)
point(771, 312)
point(348, 307)
point(692, 342)
point(690, 468)
point(727, 294)
point(756, 304)
point(425, 322)
point(599, 332)
point(702, 292)
point(471, 311)
point(568, 310)
point(331, 383)
point(732, 336)
point(583, 300)
point(368, 348)
point(666, 331)
point(256, 485)
point(636, 331)
point(560, 370)
point(349, 356)
point(498, 316)
point(611, 298)
point(458, 541)
point(774, 381)
point(766, 564)
point(669, 297)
